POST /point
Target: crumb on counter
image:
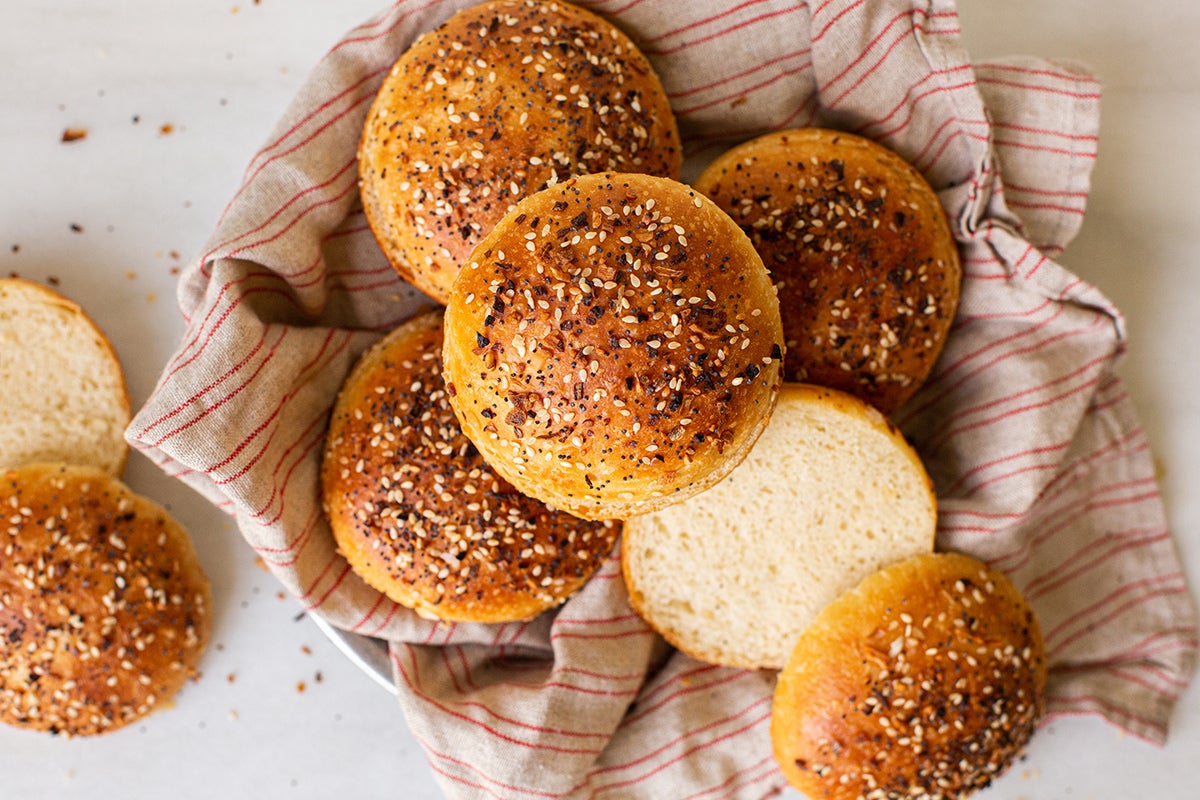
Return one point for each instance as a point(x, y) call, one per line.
point(74, 134)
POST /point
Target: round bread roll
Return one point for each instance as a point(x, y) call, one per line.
point(927, 680)
point(829, 493)
point(498, 102)
point(104, 608)
point(421, 517)
point(859, 247)
point(613, 345)
point(64, 395)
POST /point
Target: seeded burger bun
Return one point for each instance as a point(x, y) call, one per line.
point(104, 608)
point(64, 396)
point(926, 680)
point(829, 493)
point(613, 345)
point(859, 247)
point(500, 101)
point(421, 517)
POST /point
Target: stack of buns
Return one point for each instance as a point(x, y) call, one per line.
point(104, 608)
point(501, 100)
point(712, 365)
point(421, 516)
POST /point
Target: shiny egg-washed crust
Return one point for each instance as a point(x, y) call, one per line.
point(927, 680)
point(421, 517)
point(613, 345)
point(104, 608)
point(501, 100)
point(860, 249)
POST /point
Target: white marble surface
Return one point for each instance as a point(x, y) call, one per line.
point(177, 95)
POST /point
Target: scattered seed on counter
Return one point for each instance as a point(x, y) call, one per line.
point(74, 134)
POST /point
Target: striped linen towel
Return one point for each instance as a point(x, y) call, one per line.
point(1039, 461)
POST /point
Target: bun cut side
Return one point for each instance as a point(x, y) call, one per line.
point(830, 493)
point(500, 101)
point(613, 345)
point(418, 513)
point(104, 608)
point(860, 250)
point(926, 680)
point(64, 395)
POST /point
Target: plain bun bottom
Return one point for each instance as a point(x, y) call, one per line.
point(927, 680)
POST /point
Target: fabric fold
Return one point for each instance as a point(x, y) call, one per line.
point(1040, 464)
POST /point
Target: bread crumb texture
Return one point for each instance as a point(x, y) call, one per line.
point(64, 395)
point(421, 516)
point(613, 345)
point(926, 680)
point(104, 609)
point(860, 249)
point(829, 493)
point(503, 99)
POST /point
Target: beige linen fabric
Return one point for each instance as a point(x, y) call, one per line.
point(1040, 464)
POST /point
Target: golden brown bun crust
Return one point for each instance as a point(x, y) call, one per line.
point(613, 345)
point(502, 99)
point(104, 608)
point(421, 517)
point(859, 247)
point(929, 675)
